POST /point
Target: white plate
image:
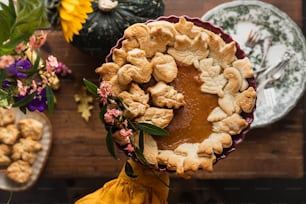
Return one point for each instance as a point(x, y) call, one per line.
point(46, 141)
point(238, 18)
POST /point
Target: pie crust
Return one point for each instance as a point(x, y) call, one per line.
point(142, 68)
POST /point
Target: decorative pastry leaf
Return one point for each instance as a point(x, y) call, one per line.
point(129, 170)
point(152, 129)
point(91, 87)
point(110, 144)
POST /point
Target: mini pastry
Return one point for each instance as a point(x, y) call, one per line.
point(31, 128)
point(7, 116)
point(19, 171)
point(5, 151)
point(9, 134)
point(26, 149)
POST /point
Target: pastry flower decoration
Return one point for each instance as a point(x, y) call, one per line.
point(112, 115)
point(26, 80)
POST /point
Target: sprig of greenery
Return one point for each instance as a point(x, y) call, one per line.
point(18, 24)
point(10, 198)
point(137, 127)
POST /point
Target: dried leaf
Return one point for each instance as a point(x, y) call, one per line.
point(84, 103)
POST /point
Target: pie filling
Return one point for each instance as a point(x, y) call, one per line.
point(191, 119)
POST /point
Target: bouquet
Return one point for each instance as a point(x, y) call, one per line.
point(27, 81)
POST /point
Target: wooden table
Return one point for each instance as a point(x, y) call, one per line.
point(79, 149)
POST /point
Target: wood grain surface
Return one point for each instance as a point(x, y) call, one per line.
point(79, 149)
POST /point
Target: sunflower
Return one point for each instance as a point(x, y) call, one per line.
point(73, 13)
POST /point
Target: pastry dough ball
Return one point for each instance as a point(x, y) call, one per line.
point(26, 150)
point(31, 128)
point(7, 116)
point(9, 134)
point(5, 150)
point(19, 171)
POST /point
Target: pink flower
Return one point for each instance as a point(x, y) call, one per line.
point(110, 115)
point(104, 91)
point(114, 112)
point(37, 40)
point(34, 86)
point(126, 133)
point(62, 69)
point(51, 63)
point(125, 123)
point(20, 47)
point(22, 89)
point(109, 118)
point(6, 60)
point(129, 148)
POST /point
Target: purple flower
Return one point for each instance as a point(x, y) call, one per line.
point(18, 66)
point(38, 103)
point(6, 84)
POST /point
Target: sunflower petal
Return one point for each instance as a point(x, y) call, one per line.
point(73, 14)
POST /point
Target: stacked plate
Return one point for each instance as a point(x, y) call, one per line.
point(276, 47)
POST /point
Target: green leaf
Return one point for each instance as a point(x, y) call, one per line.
point(2, 76)
point(110, 144)
point(91, 87)
point(4, 102)
point(35, 66)
point(140, 156)
point(23, 109)
point(141, 141)
point(129, 170)
point(102, 113)
point(19, 24)
point(50, 99)
point(152, 129)
point(7, 18)
point(25, 100)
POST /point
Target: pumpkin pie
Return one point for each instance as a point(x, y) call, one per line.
point(181, 75)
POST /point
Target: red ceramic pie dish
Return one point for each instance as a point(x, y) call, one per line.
point(237, 139)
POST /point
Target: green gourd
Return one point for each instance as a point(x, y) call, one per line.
point(106, 24)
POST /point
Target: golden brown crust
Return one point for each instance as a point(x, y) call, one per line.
point(139, 69)
point(160, 117)
point(164, 68)
point(233, 125)
point(136, 100)
point(247, 100)
point(108, 70)
point(164, 95)
point(245, 67)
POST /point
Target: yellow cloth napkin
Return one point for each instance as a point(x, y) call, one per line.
point(145, 188)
